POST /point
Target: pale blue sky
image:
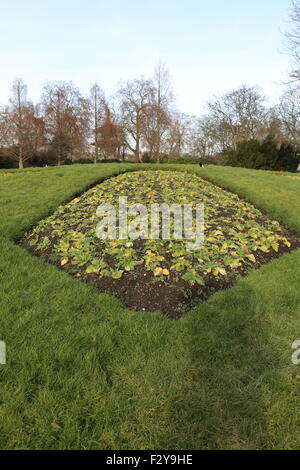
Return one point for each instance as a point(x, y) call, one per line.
point(210, 46)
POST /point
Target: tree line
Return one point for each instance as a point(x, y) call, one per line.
point(141, 122)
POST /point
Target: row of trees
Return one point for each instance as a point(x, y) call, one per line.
point(141, 122)
point(241, 115)
point(62, 126)
point(140, 118)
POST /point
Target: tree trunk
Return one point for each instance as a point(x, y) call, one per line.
point(96, 153)
point(118, 153)
point(21, 165)
point(158, 155)
point(137, 150)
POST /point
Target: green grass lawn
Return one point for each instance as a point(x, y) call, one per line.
point(85, 373)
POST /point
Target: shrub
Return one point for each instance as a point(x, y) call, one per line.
point(185, 160)
point(84, 161)
point(5, 161)
point(147, 158)
point(112, 160)
point(247, 154)
point(288, 157)
point(43, 158)
point(266, 155)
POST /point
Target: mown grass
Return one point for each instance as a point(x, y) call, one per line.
point(85, 373)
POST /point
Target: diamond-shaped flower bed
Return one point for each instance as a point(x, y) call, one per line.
point(160, 275)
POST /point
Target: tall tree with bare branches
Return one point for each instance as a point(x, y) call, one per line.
point(237, 115)
point(21, 128)
point(136, 98)
point(98, 107)
point(66, 118)
point(19, 107)
point(289, 114)
point(6, 137)
point(293, 38)
point(161, 114)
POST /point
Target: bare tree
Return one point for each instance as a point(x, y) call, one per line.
point(289, 113)
point(273, 128)
point(160, 115)
point(98, 113)
point(136, 98)
point(18, 112)
point(66, 118)
point(289, 107)
point(21, 128)
point(237, 115)
point(177, 138)
point(158, 122)
point(110, 137)
point(201, 138)
point(6, 137)
point(293, 38)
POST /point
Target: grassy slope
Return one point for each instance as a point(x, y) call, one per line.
point(277, 193)
point(83, 372)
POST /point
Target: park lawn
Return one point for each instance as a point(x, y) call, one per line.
point(85, 373)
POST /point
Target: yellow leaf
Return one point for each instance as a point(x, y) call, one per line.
point(222, 271)
point(235, 264)
point(150, 253)
point(217, 271)
point(166, 272)
point(224, 248)
point(92, 270)
point(158, 272)
point(64, 261)
point(251, 258)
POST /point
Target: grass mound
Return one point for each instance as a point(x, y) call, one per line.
point(156, 274)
